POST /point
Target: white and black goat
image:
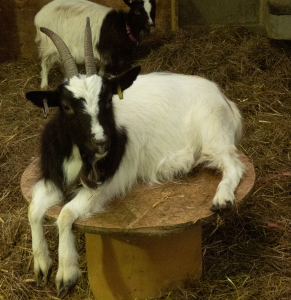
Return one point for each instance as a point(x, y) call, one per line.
point(165, 125)
point(115, 33)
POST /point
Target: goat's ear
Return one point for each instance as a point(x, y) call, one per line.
point(124, 80)
point(37, 98)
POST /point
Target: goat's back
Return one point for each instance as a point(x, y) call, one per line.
point(67, 19)
point(171, 118)
point(167, 99)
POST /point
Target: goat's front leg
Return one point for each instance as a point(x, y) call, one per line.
point(82, 206)
point(45, 195)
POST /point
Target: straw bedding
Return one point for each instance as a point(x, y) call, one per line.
point(247, 254)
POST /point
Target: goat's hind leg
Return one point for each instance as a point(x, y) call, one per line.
point(45, 195)
point(46, 65)
point(232, 170)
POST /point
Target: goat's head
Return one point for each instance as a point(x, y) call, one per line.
point(142, 14)
point(85, 101)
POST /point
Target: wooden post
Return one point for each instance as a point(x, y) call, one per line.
point(174, 15)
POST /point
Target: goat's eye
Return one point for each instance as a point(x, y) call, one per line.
point(66, 107)
point(137, 12)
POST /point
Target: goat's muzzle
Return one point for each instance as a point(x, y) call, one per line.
point(150, 26)
point(98, 146)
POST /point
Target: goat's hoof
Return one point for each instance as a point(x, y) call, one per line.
point(227, 206)
point(41, 279)
point(64, 289)
point(215, 208)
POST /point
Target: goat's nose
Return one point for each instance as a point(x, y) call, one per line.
point(151, 25)
point(98, 142)
point(100, 145)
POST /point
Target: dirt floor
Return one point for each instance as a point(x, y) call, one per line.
point(246, 255)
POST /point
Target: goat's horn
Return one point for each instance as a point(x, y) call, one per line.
point(68, 61)
point(89, 56)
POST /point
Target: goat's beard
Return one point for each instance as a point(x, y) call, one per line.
point(88, 175)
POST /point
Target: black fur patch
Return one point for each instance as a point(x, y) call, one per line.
point(153, 10)
point(107, 166)
point(69, 126)
point(115, 47)
point(56, 145)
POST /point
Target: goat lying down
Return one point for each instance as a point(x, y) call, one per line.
point(115, 33)
point(165, 125)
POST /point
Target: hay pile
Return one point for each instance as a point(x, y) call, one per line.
point(246, 255)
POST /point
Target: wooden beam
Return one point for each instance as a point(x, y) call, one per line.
point(174, 15)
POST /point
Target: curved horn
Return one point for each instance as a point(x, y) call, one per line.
point(88, 48)
point(68, 61)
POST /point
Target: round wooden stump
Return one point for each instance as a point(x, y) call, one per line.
point(149, 242)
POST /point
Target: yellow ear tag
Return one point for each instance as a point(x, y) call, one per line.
point(119, 91)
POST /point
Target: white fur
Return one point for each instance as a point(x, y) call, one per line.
point(67, 18)
point(148, 8)
point(89, 89)
point(45, 195)
point(173, 122)
point(72, 165)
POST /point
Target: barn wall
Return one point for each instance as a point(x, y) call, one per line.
point(9, 39)
point(25, 12)
point(222, 12)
